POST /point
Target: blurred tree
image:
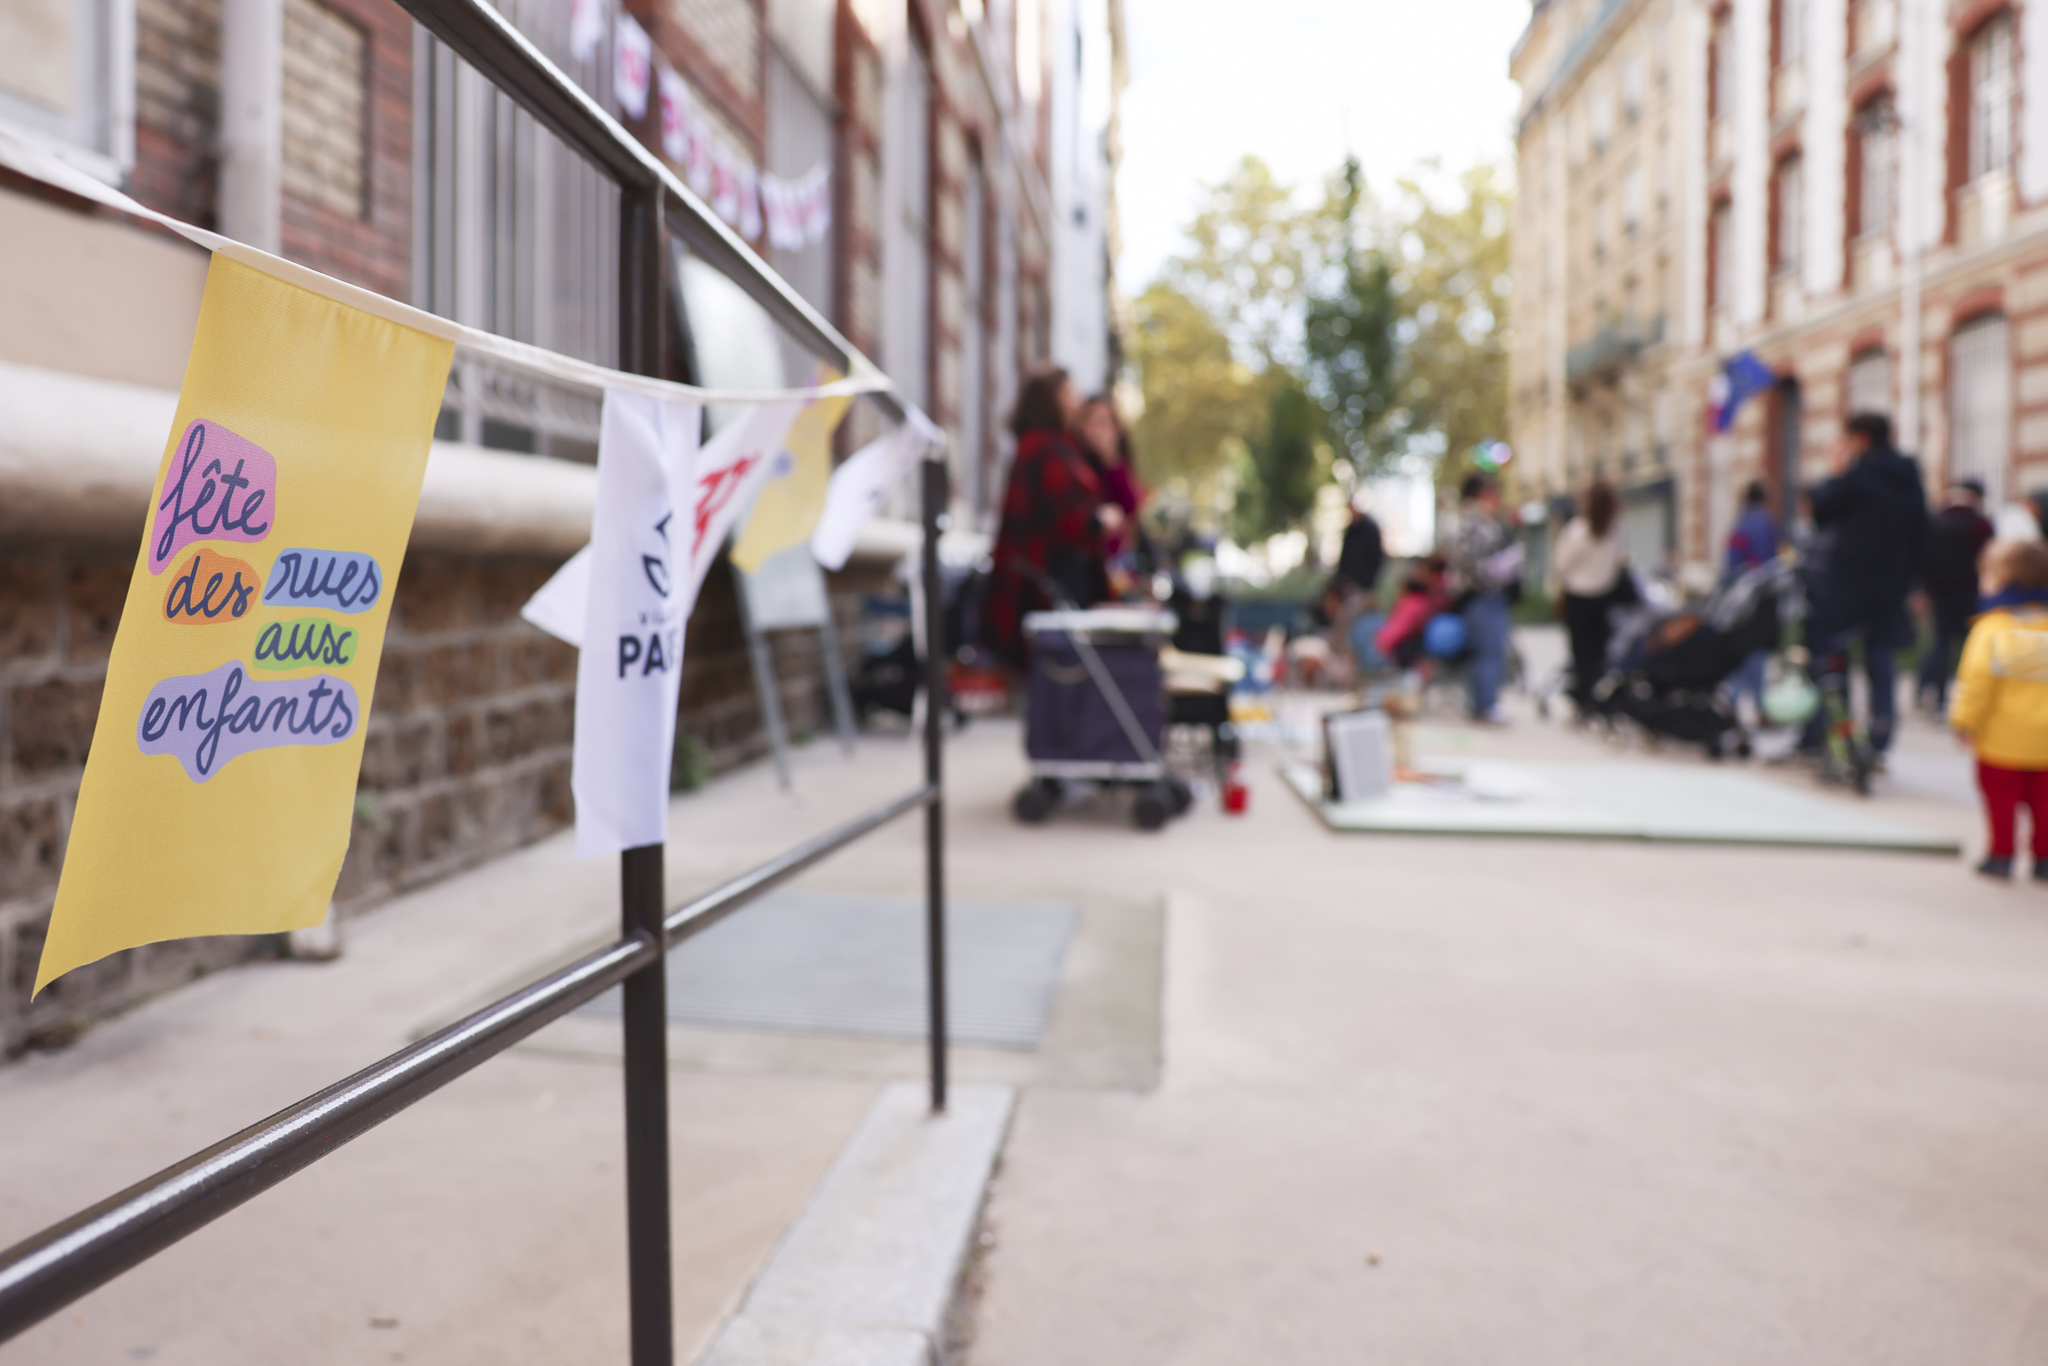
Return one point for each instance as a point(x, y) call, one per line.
point(1285, 466)
point(1251, 251)
point(1283, 336)
point(1451, 276)
point(1353, 351)
point(1201, 404)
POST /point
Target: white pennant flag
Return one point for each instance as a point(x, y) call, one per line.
point(632, 65)
point(861, 484)
point(586, 28)
point(749, 222)
point(731, 470)
point(664, 507)
point(675, 115)
point(630, 665)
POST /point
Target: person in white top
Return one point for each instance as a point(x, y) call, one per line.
point(1585, 575)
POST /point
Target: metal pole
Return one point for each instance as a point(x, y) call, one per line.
point(642, 892)
point(935, 655)
point(766, 685)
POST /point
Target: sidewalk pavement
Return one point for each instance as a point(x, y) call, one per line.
point(484, 1225)
point(1455, 1100)
point(1423, 1099)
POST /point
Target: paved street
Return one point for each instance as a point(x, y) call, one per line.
point(1408, 1099)
point(1459, 1101)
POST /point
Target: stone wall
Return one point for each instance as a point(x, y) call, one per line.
point(466, 755)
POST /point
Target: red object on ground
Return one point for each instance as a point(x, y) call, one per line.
point(1236, 796)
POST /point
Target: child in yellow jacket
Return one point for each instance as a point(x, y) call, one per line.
point(2001, 700)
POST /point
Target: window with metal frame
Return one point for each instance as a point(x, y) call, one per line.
point(67, 79)
point(1980, 404)
point(1789, 205)
point(972, 461)
point(516, 234)
point(1877, 167)
point(1790, 19)
point(800, 139)
point(1991, 97)
point(909, 349)
point(1867, 388)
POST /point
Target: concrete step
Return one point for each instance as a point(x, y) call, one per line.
point(865, 1275)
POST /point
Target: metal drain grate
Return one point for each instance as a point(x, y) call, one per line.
point(833, 963)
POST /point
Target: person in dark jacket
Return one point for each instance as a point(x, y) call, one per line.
point(1873, 517)
point(1957, 538)
point(1355, 589)
point(1363, 556)
point(1056, 519)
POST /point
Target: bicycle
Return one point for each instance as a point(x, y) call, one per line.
point(1846, 754)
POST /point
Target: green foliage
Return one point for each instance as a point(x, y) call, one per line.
point(1202, 406)
point(1353, 350)
point(1283, 337)
point(1251, 252)
point(1284, 467)
point(1453, 282)
point(690, 768)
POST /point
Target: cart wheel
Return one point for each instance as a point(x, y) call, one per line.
point(1033, 803)
point(1179, 796)
point(1151, 807)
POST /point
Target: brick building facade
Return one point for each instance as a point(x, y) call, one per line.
point(386, 164)
point(1859, 197)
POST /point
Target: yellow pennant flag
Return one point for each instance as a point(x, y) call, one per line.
point(787, 510)
point(219, 792)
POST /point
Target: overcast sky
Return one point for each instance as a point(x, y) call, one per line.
point(1294, 81)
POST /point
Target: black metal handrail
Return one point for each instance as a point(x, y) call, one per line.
point(42, 1274)
point(50, 1270)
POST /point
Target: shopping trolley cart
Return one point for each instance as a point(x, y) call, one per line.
point(1095, 711)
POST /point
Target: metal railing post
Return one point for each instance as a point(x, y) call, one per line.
point(642, 892)
point(936, 654)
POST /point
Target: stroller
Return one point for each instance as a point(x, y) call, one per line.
point(1095, 710)
point(1666, 673)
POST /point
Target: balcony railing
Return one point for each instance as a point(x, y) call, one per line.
point(1611, 349)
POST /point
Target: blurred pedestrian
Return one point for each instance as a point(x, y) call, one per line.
point(1872, 518)
point(1486, 565)
point(1586, 569)
point(2001, 701)
point(1753, 541)
point(1056, 518)
point(1955, 540)
point(1361, 560)
point(1108, 449)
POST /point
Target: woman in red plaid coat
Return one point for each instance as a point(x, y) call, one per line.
point(1056, 518)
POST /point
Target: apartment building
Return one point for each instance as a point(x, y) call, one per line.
point(1602, 242)
point(1869, 211)
point(894, 159)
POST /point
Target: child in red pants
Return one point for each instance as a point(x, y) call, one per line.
point(2001, 700)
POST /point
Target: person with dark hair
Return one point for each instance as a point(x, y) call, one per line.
point(1959, 533)
point(1585, 572)
point(1108, 450)
point(1754, 538)
point(1485, 565)
point(1362, 557)
point(1752, 541)
point(1055, 522)
point(1873, 517)
point(1355, 586)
